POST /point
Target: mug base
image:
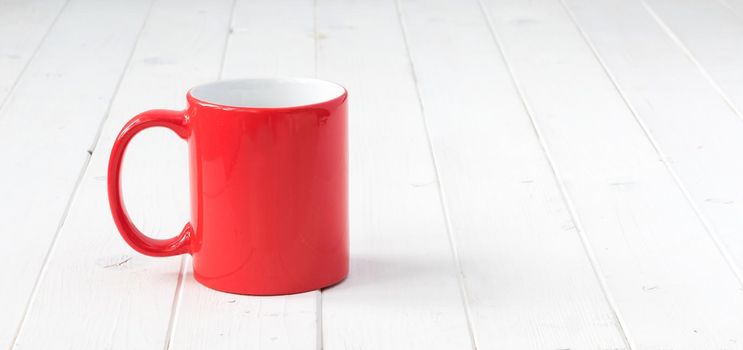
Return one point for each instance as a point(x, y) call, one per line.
point(271, 292)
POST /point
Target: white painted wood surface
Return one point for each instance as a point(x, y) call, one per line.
point(711, 35)
point(47, 125)
point(23, 26)
point(508, 218)
point(735, 5)
point(287, 50)
point(651, 246)
point(698, 138)
point(544, 174)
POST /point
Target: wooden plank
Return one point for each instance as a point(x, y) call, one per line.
point(712, 37)
point(211, 319)
point(46, 127)
point(117, 298)
point(23, 26)
point(695, 130)
point(735, 5)
point(672, 287)
point(286, 50)
point(402, 291)
point(507, 214)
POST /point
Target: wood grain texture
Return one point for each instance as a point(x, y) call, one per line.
point(734, 5)
point(711, 35)
point(96, 292)
point(695, 131)
point(207, 319)
point(23, 26)
point(651, 246)
point(260, 48)
point(46, 128)
point(529, 281)
point(402, 291)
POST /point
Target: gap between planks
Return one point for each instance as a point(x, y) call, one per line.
point(442, 199)
point(45, 263)
point(708, 227)
point(737, 10)
point(31, 58)
point(588, 248)
point(177, 297)
point(676, 40)
point(83, 170)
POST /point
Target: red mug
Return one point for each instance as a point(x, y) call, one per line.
point(269, 185)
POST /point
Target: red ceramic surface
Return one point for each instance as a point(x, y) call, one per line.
point(268, 185)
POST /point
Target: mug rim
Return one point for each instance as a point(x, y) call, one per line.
point(337, 100)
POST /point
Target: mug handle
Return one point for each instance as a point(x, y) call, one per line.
point(180, 244)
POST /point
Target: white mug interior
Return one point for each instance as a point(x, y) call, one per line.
point(267, 92)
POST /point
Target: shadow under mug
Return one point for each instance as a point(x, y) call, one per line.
point(269, 185)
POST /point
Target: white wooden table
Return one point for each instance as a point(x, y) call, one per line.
point(525, 174)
